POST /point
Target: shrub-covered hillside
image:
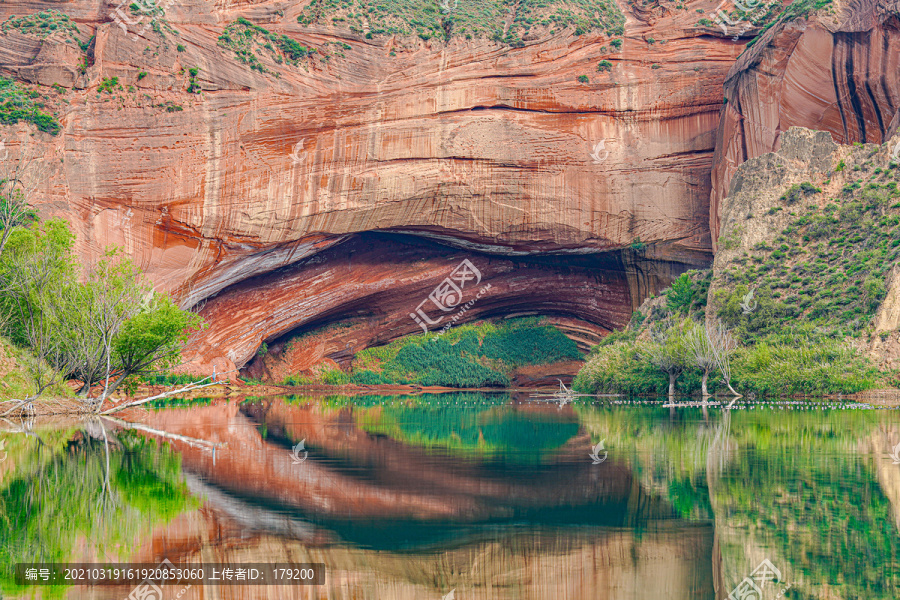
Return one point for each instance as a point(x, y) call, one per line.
point(504, 21)
point(799, 280)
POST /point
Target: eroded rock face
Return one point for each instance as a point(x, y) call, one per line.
point(838, 73)
point(368, 287)
point(493, 149)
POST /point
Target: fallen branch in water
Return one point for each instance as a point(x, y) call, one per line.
point(188, 388)
point(20, 404)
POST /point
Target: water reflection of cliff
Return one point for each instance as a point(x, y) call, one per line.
point(495, 497)
point(520, 512)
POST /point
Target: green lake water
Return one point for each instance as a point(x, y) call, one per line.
point(499, 496)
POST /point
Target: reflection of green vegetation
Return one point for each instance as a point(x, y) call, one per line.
point(450, 422)
point(179, 402)
point(474, 355)
point(801, 488)
point(789, 483)
point(659, 449)
point(50, 506)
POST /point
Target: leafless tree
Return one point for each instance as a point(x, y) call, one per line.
point(111, 294)
point(18, 180)
point(702, 353)
point(722, 345)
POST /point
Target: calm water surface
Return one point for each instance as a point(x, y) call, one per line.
point(467, 496)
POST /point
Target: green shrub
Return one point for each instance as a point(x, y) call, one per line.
point(621, 367)
point(583, 79)
point(777, 367)
point(16, 105)
point(485, 19)
point(108, 85)
point(604, 65)
point(797, 192)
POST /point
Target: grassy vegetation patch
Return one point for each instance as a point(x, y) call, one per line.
point(43, 24)
point(250, 42)
point(18, 104)
point(828, 267)
point(474, 355)
point(505, 21)
point(771, 15)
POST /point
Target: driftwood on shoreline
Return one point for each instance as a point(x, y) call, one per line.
point(196, 385)
point(188, 388)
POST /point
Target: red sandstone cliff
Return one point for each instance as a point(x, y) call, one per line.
point(837, 71)
point(471, 143)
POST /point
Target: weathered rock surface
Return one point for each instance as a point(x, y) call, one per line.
point(838, 71)
point(473, 143)
point(368, 299)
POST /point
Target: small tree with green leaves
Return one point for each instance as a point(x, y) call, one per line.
point(34, 271)
point(668, 350)
point(152, 340)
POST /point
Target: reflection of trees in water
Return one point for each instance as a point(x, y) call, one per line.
point(514, 434)
point(788, 485)
point(108, 489)
point(801, 490)
point(466, 422)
